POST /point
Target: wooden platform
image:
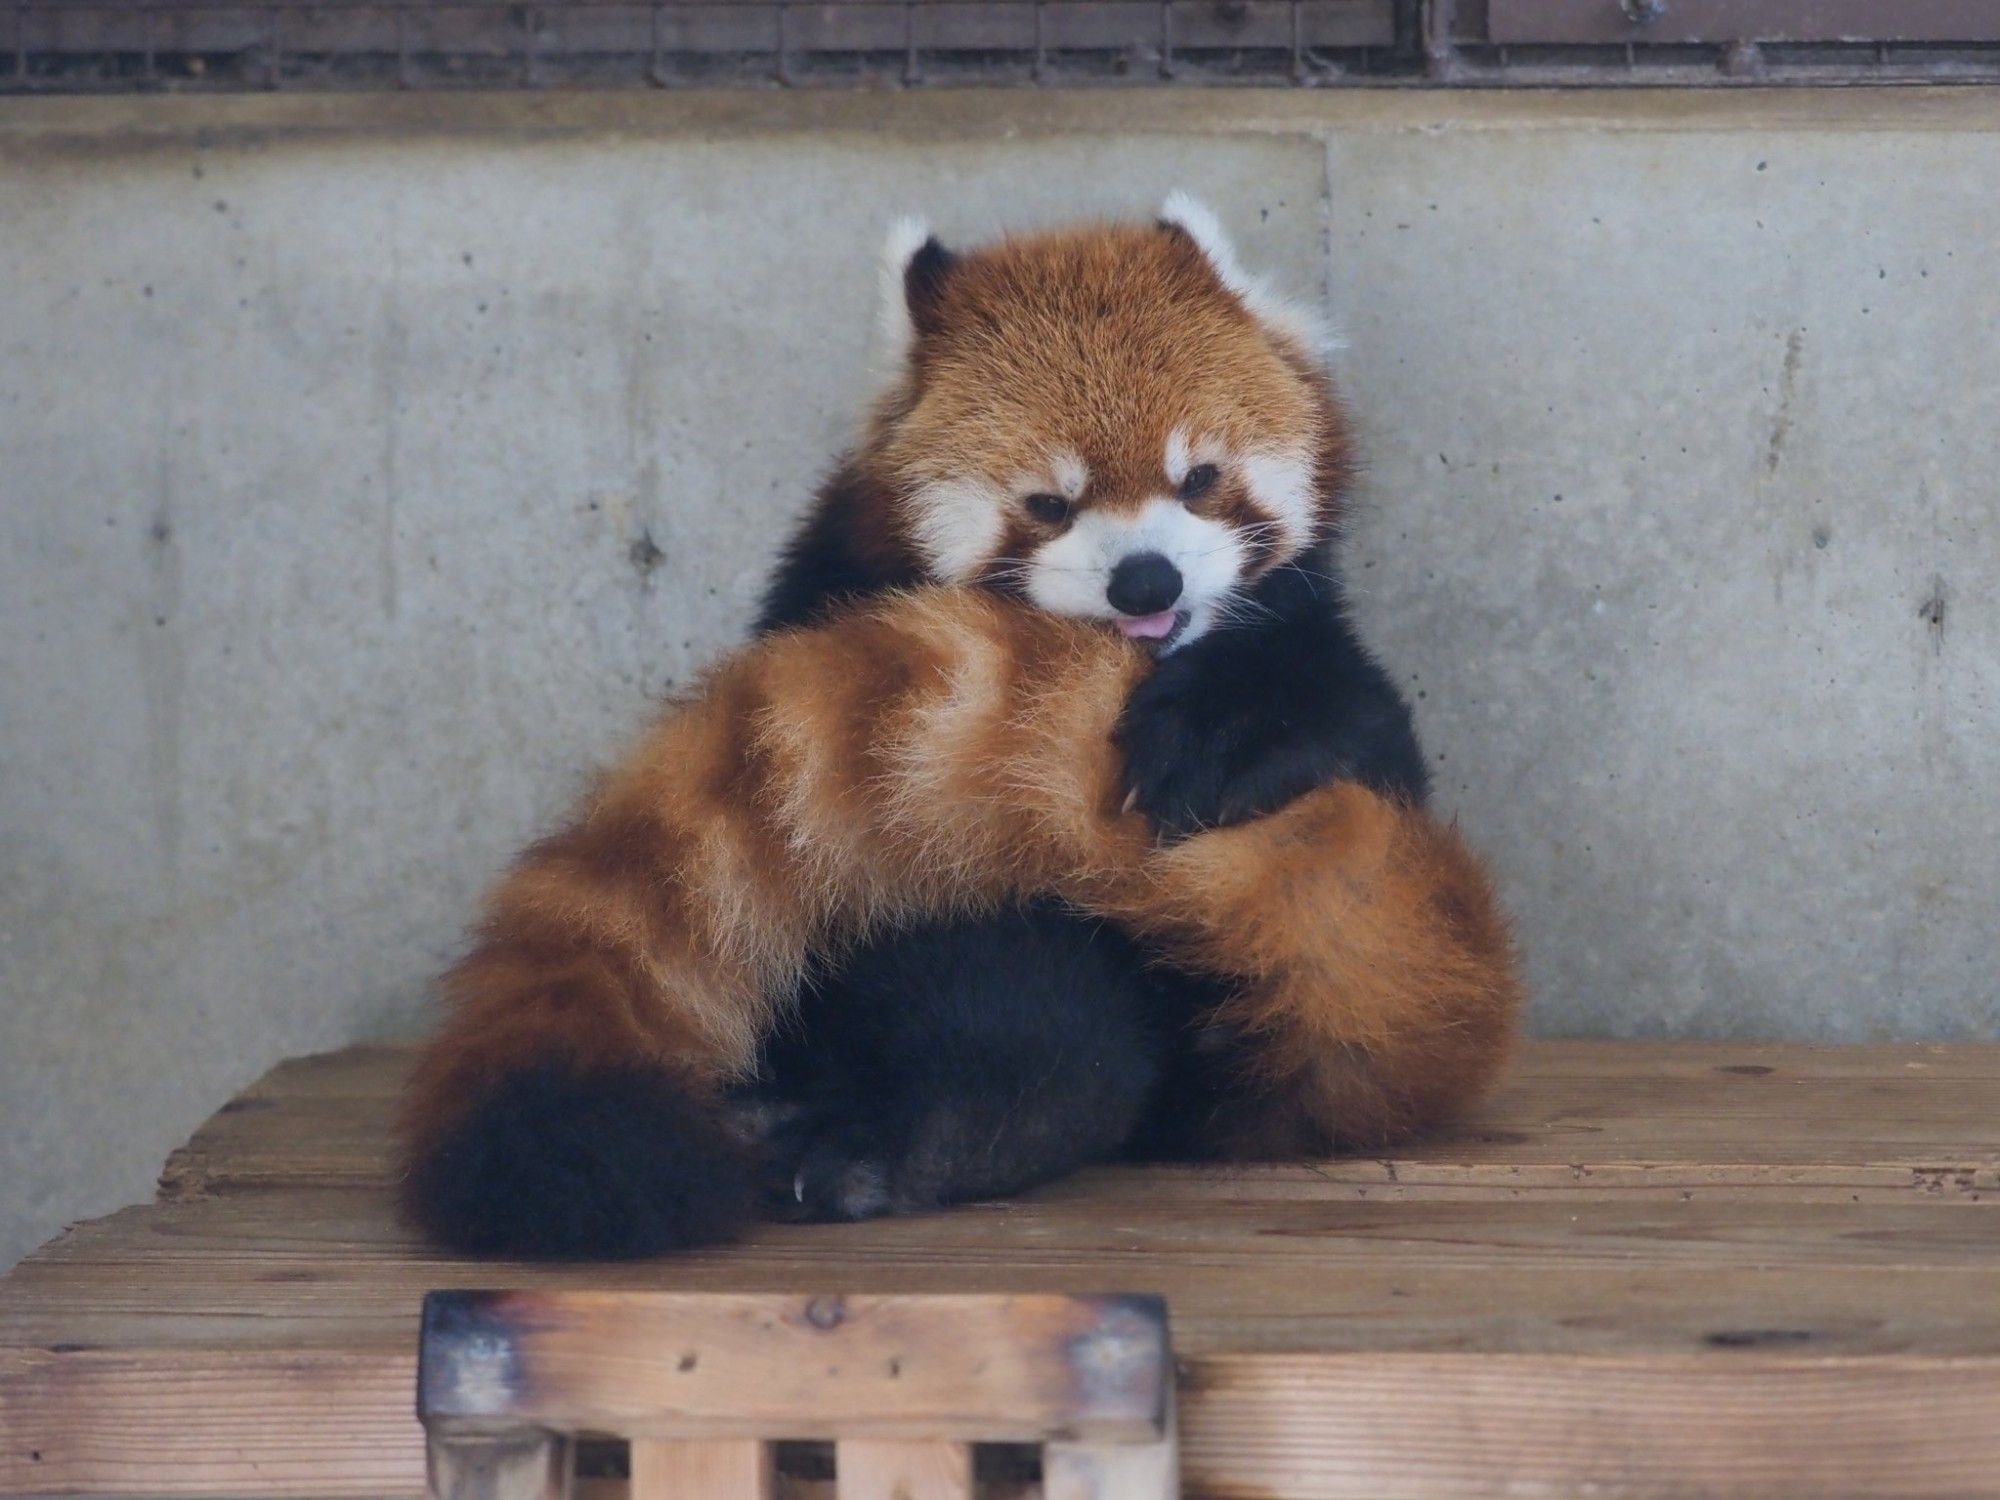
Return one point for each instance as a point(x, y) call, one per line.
point(1657, 1269)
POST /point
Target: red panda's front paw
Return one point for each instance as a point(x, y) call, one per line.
point(836, 1174)
point(864, 1157)
point(1203, 751)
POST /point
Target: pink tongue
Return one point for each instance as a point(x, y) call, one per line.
point(1147, 627)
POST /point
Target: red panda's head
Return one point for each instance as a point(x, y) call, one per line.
point(1116, 422)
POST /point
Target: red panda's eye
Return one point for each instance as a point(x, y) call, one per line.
point(1051, 510)
point(1199, 481)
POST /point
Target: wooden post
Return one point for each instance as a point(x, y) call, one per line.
point(700, 1469)
point(522, 1464)
point(1114, 1471)
point(870, 1469)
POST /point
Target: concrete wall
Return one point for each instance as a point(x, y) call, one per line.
point(366, 465)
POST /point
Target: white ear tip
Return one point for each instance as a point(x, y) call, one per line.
point(1202, 226)
point(905, 238)
point(1196, 217)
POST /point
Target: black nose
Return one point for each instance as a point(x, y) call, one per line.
point(1143, 584)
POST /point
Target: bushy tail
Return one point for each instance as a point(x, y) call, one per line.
point(934, 755)
point(627, 968)
point(557, 1163)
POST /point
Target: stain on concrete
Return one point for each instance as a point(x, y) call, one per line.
point(1788, 380)
point(1932, 612)
point(645, 554)
point(163, 673)
point(392, 350)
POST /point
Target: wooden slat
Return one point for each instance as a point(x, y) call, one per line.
point(1414, 1427)
point(173, 1421)
point(695, 1469)
point(664, 1364)
point(876, 1470)
point(1651, 1117)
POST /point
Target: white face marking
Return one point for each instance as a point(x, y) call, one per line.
point(1184, 453)
point(1280, 481)
point(957, 525)
point(1070, 574)
point(1071, 474)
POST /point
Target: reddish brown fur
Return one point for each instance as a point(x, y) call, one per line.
point(941, 752)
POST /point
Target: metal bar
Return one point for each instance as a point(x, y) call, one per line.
point(1041, 71)
point(1298, 43)
point(784, 62)
point(1440, 49)
point(274, 18)
point(912, 70)
point(1681, 22)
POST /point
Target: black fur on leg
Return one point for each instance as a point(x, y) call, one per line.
point(970, 1059)
point(557, 1164)
point(1238, 722)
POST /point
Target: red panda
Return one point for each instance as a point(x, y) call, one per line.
point(1065, 627)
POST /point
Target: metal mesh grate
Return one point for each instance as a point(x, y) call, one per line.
point(141, 44)
point(76, 46)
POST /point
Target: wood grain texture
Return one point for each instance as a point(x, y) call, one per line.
point(697, 1469)
point(1659, 1269)
point(1752, 1424)
point(872, 1469)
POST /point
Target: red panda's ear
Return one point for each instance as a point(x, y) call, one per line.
point(1184, 214)
point(915, 267)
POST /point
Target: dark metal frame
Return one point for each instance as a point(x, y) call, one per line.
point(80, 46)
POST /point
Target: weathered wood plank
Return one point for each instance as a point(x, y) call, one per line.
point(966, 1367)
point(1651, 1117)
point(1416, 1427)
point(174, 1421)
point(281, 1271)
